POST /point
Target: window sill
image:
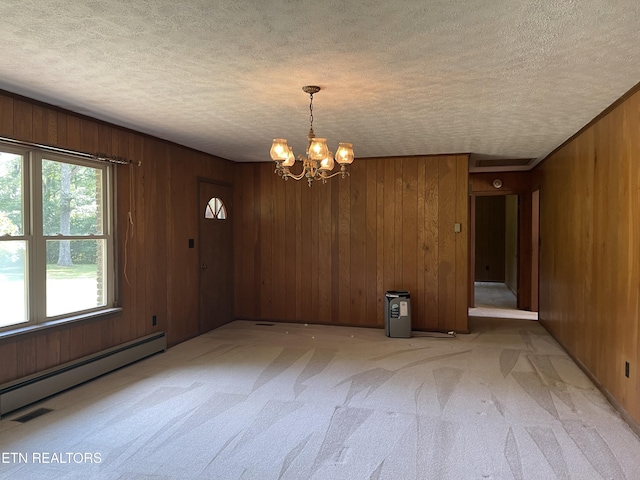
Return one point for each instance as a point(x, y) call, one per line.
point(59, 323)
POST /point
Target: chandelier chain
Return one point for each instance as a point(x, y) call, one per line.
point(311, 110)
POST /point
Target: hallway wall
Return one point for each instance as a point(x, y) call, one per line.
point(511, 243)
point(590, 248)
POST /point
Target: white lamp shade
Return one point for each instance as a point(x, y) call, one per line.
point(344, 154)
point(326, 163)
point(318, 149)
point(279, 150)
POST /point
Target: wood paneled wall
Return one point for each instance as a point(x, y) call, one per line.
point(512, 183)
point(590, 249)
point(162, 271)
point(511, 242)
point(328, 254)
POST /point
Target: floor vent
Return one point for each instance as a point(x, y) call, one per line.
point(30, 416)
point(27, 390)
point(265, 324)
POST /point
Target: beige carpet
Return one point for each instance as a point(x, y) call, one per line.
point(496, 300)
point(250, 401)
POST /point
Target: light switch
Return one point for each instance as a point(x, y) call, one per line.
point(457, 227)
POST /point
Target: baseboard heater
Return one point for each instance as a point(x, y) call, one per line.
point(27, 390)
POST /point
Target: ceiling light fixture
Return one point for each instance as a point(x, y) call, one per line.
point(318, 163)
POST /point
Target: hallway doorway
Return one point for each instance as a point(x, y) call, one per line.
point(501, 241)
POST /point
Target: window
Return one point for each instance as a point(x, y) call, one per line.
point(215, 209)
point(56, 245)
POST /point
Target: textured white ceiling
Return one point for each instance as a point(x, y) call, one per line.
point(496, 78)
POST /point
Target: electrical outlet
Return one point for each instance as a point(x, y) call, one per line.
point(154, 320)
point(626, 369)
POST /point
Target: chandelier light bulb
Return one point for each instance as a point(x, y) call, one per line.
point(318, 149)
point(291, 159)
point(279, 150)
point(326, 163)
point(344, 154)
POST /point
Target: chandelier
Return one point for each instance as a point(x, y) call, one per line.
point(318, 163)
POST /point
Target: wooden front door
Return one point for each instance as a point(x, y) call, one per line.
point(216, 255)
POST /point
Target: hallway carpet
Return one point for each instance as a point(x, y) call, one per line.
point(284, 401)
point(496, 300)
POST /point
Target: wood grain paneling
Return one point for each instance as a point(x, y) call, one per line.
point(534, 246)
point(61, 129)
point(344, 253)
point(74, 135)
point(323, 264)
point(28, 355)
point(357, 249)
point(380, 236)
point(590, 249)
point(462, 242)
point(446, 246)
point(373, 302)
point(430, 264)
point(388, 226)
point(22, 120)
point(161, 271)
point(409, 232)
point(182, 285)
point(6, 116)
point(511, 243)
point(8, 360)
point(512, 183)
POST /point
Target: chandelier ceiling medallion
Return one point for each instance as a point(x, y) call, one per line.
point(318, 163)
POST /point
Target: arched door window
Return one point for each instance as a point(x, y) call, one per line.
point(215, 210)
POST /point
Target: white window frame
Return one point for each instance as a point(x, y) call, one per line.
point(33, 235)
